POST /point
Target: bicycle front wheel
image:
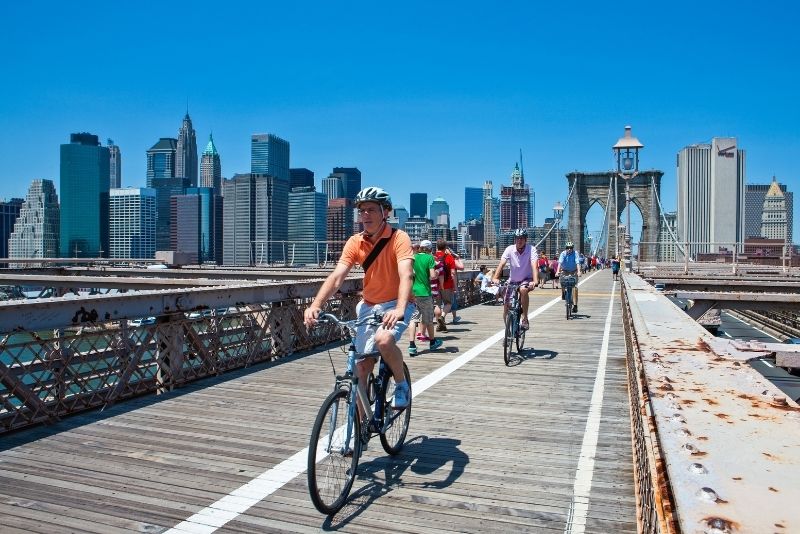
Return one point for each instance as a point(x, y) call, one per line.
point(508, 340)
point(520, 339)
point(569, 303)
point(332, 458)
point(395, 422)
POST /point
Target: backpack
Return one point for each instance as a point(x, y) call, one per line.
point(446, 269)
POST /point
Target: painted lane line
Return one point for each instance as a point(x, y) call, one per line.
point(229, 507)
point(579, 509)
point(752, 326)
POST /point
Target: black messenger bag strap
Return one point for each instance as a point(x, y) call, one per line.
point(379, 246)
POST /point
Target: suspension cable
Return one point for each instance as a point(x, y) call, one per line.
point(566, 204)
point(664, 218)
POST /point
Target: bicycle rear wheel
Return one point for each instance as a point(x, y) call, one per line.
point(395, 422)
point(332, 462)
point(508, 340)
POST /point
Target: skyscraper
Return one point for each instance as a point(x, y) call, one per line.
point(418, 206)
point(773, 217)
point(514, 203)
point(351, 180)
point(161, 160)
point(132, 214)
point(210, 223)
point(166, 188)
point(186, 152)
point(269, 155)
point(711, 195)
point(36, 230)
point(307, 225)
point(9, 212)
point(401, 215)
point(254, 219)
point(754, 207)
point(84, 197)
point(440, 212)
point(184, 234)
point(300, 178)
point(211, 167)
point(489, 229)
point(114, 165)
point(473, 203)
point(332, 187)
point(340, 225)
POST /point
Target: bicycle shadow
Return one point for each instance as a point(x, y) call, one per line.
point(422, 455)
point(531, 354)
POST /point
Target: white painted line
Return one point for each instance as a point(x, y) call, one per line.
point(767, 363)
point(727, 334)
point(752, 326)
point(583, 476)
point(228, 508)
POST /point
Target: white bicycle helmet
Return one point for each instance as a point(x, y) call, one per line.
point(374, 194)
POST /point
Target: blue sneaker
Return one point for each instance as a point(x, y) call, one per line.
point(402, 395)
point(412, 350)
point(436, 343)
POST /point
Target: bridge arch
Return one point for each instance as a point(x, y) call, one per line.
point(588, 188)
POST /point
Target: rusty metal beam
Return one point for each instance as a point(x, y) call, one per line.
point(44, 314)
point(110, 282)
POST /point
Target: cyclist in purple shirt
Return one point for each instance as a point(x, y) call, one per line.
point(521, 259)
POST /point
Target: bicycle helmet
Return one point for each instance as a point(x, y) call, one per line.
point(374, 194)
point(570, 244)
point(520, 232)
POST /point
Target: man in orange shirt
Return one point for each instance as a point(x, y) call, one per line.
point(387, 289)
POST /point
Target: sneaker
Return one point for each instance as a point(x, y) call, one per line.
point(524, 323)
point(436, 343)
point(574, 308)
point(422, 337)
point(402, 395)
point(412, 350)
point(456, 319)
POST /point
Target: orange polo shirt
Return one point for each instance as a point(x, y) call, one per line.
point(382, 281)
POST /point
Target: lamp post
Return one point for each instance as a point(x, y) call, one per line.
point(558, 212)
point(627, 152)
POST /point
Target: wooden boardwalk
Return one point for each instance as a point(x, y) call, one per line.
point(490, 449)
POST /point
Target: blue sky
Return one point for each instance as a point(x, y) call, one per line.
point(427, 97)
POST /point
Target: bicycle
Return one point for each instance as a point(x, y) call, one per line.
point(568, 282)
point(514, 332)
point(346, 422)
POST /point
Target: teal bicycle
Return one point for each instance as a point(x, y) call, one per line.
point(568, 283)
point(351, 415)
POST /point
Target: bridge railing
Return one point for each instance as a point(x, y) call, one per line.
point(61, 356)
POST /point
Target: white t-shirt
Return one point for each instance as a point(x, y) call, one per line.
point(520, 263)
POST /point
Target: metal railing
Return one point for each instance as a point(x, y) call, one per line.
point(74, 354)
point(695, 255)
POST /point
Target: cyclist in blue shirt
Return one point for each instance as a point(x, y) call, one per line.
point(569, 263)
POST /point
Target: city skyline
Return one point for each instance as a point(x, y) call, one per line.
point(460, 115)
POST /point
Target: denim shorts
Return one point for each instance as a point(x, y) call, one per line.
point(365, 333)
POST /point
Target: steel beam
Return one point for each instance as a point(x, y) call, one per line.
point(110, 282)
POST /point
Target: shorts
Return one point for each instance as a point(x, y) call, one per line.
point(447, 296)
point(365, 333)
point(507, 296)
point(424, 310)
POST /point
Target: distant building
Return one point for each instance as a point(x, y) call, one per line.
point(351, 180)
point(254, 219)
point(754, 206)
point(307, 226)
point(84, 187)
point(340, 225)
point(418, 228)
point(667, 249)
point(711, 205)
point(440, 212)
point(514, 203)
point(399, 217)
point(332, 187)
point(211, 167)
point(184, 234)
point(473, 203)
point(211, 224)
point(132, 214)
point(269, 156)
point(489, 229)
point(166, 188)
point(161, 159)
point(419, 205)
point(36, 230)
point(773, 217)
point(9, 212)
point(300, 178)
point(114, 165)
point(186, 152)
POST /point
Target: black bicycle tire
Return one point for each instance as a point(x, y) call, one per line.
point(405, 416)
point(569, 303)
point(508, 339)
point(313, 469)
point(520, 339)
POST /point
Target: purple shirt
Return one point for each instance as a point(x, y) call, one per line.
point(520, 264)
